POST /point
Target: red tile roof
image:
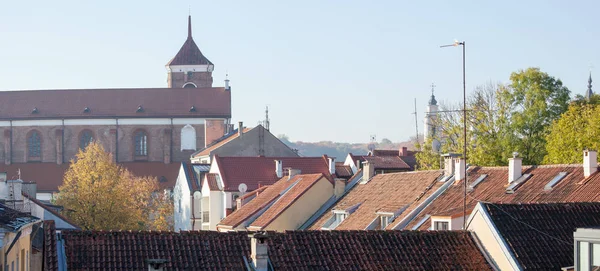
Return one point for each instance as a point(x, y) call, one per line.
point(304, 183)
point(493, 189)
point(218, 143)
point(387, 162)
point(189, 54)
point(50, 250)
point(546, 243)
point(342, 171)
point(213, 183)
point(110, 103)
point(300, 250)
point(254, 206)
point(261, 170)
point(385, 192)
point(49, 176)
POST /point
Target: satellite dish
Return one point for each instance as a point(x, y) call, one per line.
point(242, 188)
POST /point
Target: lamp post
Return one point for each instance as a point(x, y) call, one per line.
point(457, 43)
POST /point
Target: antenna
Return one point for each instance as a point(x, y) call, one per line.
point(372, 143)
point(416, 122)
point(19, 174)
point(267, 121)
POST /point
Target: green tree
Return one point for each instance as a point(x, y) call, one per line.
point(100, 195)
point(576, 130)
point(535, 100)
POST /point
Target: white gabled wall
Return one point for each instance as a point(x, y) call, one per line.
point(182, 198)
point(349, 162)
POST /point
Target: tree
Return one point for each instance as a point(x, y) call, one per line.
point(100, 195)
point(536, 99)
point(576, 130)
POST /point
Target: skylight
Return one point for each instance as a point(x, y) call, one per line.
point(516, 184)
point(477, 181)
point(555, 181)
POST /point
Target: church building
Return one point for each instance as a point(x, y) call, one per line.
point(148, 130)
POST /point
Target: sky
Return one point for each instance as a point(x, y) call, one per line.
point(328, 70)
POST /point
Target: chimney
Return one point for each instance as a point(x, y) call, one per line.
point(339, 187)
point(30, 188)
point(590, 163)
point(514, 168)
point(240, 128)
point(293, 172)
point(448, 164)
point(15, 188)
point(156, 264)
point(404, 151)
point(368, 172)
point(459, 165)
point(331, 165)
point(279, 168)
point(259, 251)
point(227, 87)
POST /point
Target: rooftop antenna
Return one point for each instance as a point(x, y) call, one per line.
point(416, 122)
point(267, 121)
point(19, 174)
point(372, 144)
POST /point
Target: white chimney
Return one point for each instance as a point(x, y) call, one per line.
point(259, 251)
point(459, 165)
point(368, 172)
point(293, 172)
point(227, 83)
point(339, 187)
point(279, 168)
point(240, 128)
point(590, 163)
point(448, 164)
point(331, 165)
point(15, 190)
point(514, 168)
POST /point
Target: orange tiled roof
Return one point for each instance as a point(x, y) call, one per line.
point(211, 179)
point(385, 192)
point(493, 189)
point(342, 171)
point(305, 182)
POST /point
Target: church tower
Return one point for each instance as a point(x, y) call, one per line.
point(589, 93)
point(430, 129)
point(189, 68)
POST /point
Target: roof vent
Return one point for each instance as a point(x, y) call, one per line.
point(140, 109)
point(555, 181)
point(193, 109)
point(34, 111)
point(86, 110)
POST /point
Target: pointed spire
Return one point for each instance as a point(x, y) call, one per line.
point(189, 26)
point(589, 92)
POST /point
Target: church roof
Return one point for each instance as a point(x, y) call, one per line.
point(189, 54)
point(110, 103)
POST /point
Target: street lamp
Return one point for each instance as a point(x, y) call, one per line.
point(457, 43)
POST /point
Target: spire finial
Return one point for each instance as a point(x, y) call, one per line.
point(190, 26)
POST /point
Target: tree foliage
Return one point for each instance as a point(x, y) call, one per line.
point(501, 119)
point(576, 130)
point(100, 195)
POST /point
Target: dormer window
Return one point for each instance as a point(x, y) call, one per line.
point(441, 225)
point(385, 217)
point(338, 217)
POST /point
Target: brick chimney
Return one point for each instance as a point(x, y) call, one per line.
point(240, 128)
point(279, 168)
point(459, 165)
point(590, 163)
point(514, 168)
point(403, 151)
point(259, 251)
point(368, 172)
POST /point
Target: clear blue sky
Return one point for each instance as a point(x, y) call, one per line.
point(329, 70)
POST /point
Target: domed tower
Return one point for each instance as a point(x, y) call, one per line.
point(430, 128)
point(189, 68)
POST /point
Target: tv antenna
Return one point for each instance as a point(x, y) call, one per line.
point(416, 122)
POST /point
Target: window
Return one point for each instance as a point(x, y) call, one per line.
point(141, 143)
point(188, 138)
point(85, 138)
point(34, 145)
point(440, 225)
point(384, 221)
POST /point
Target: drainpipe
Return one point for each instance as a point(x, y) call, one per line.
point(117, 141)
point(62, 141)
point(193, 216)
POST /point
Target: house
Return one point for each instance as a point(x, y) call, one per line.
point(535, 236)
point(42, 130)
point(15, 238)
point(231, 177)
point(285, 205)
point(385, 161)
point(587, 244)
point(291, 250)
point(257, 141)
point(187, 191)
point(512, 184)
point(383, 201)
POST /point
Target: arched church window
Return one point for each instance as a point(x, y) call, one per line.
point(34, 145)
point(188, 138)
point(140, 140)
point(85, 138)
point(189, 85)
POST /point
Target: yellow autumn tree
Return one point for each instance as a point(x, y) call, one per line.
point(98, 194)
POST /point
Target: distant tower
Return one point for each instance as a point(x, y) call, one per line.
point(189, 68)
point(589, 93)
point(430, 129)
